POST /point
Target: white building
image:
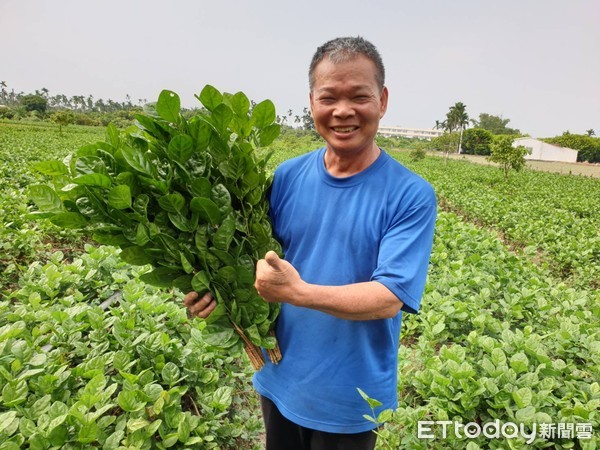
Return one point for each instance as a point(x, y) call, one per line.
point(542, 151)
point(421, 133)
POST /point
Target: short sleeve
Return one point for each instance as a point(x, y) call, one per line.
point(404, 253)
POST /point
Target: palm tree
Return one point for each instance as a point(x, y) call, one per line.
point(458, 119)
point(3, 92)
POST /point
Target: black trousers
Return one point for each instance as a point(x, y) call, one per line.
point(283, 434)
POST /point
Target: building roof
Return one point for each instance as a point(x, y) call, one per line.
point(546, 143)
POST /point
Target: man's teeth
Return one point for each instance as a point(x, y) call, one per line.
point(344, 129)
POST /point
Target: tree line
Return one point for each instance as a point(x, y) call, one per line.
point(489, 129)
point(458, 137)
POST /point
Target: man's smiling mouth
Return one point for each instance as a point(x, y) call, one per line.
point(344, 129)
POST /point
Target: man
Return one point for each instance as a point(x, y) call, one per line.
point(356, 229)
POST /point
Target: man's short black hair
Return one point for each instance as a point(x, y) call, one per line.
point(343, 49)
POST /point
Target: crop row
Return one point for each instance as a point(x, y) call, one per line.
point(557, 215)
point(499, 338)
point(89, 355)
point(21, 240)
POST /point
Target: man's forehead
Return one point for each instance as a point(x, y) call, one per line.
point(346, 86)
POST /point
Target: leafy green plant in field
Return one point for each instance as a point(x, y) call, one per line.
point(22, 241)
point(91, 356)
point(498, 339)
point(553, 218)
point(185, 195)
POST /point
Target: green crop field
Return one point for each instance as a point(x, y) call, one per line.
point(509, 331)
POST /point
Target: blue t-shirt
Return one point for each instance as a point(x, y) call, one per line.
point(376, 225)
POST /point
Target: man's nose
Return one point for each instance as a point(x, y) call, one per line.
point(343, 109)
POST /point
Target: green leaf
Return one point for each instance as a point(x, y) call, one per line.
point(93, 179)
point(109, 237)
point(119, 197)
point(233, 168)
point(8, 423)
point(159, 185)
point(519, 362)
point(170, 440)
point(219, 148)
point(113, 135)
point(227, 275)
point(201, 283)
point(525, 415)
point(201, 187)
point(88, 433)
point(438, 328)
point(181, 148)
point(268, 134)
point(52, 168)
point(222, 398)
point(140, 204)
point(168, 106)
point(174, 203)
point(372, 402)
point(136, 256)
point(201, 131)
point(222, 198)
point(149, 123)
point(224, 234)
point(134, 425)
point(40, 406)
point(240, 104)
point(137, 161)
point(129, 402)
point(38, 442)
point(207, 209)
point(219, 336)
point(14, 393)
point(498, 357)
point(87, 165)
point(142, 235)
point(45, 198)
point(263, 114)
point(186, 263)
point(170, 373)
point(210, 97)
point(253, 333)
point(183, 283)
point(126, 178)
point(522, 397)
point(69, 220)
point(221, 117)
point(113, 441)
point(59, 409)
point(223, 256)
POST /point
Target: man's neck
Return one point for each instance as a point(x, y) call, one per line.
point(342, 165)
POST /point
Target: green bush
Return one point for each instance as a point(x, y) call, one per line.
point(477, 141)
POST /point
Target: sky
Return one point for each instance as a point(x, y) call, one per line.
point(534, 62)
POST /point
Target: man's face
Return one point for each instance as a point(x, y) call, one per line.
point(347, 104)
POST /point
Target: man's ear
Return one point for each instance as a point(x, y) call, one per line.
point(384, 101)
